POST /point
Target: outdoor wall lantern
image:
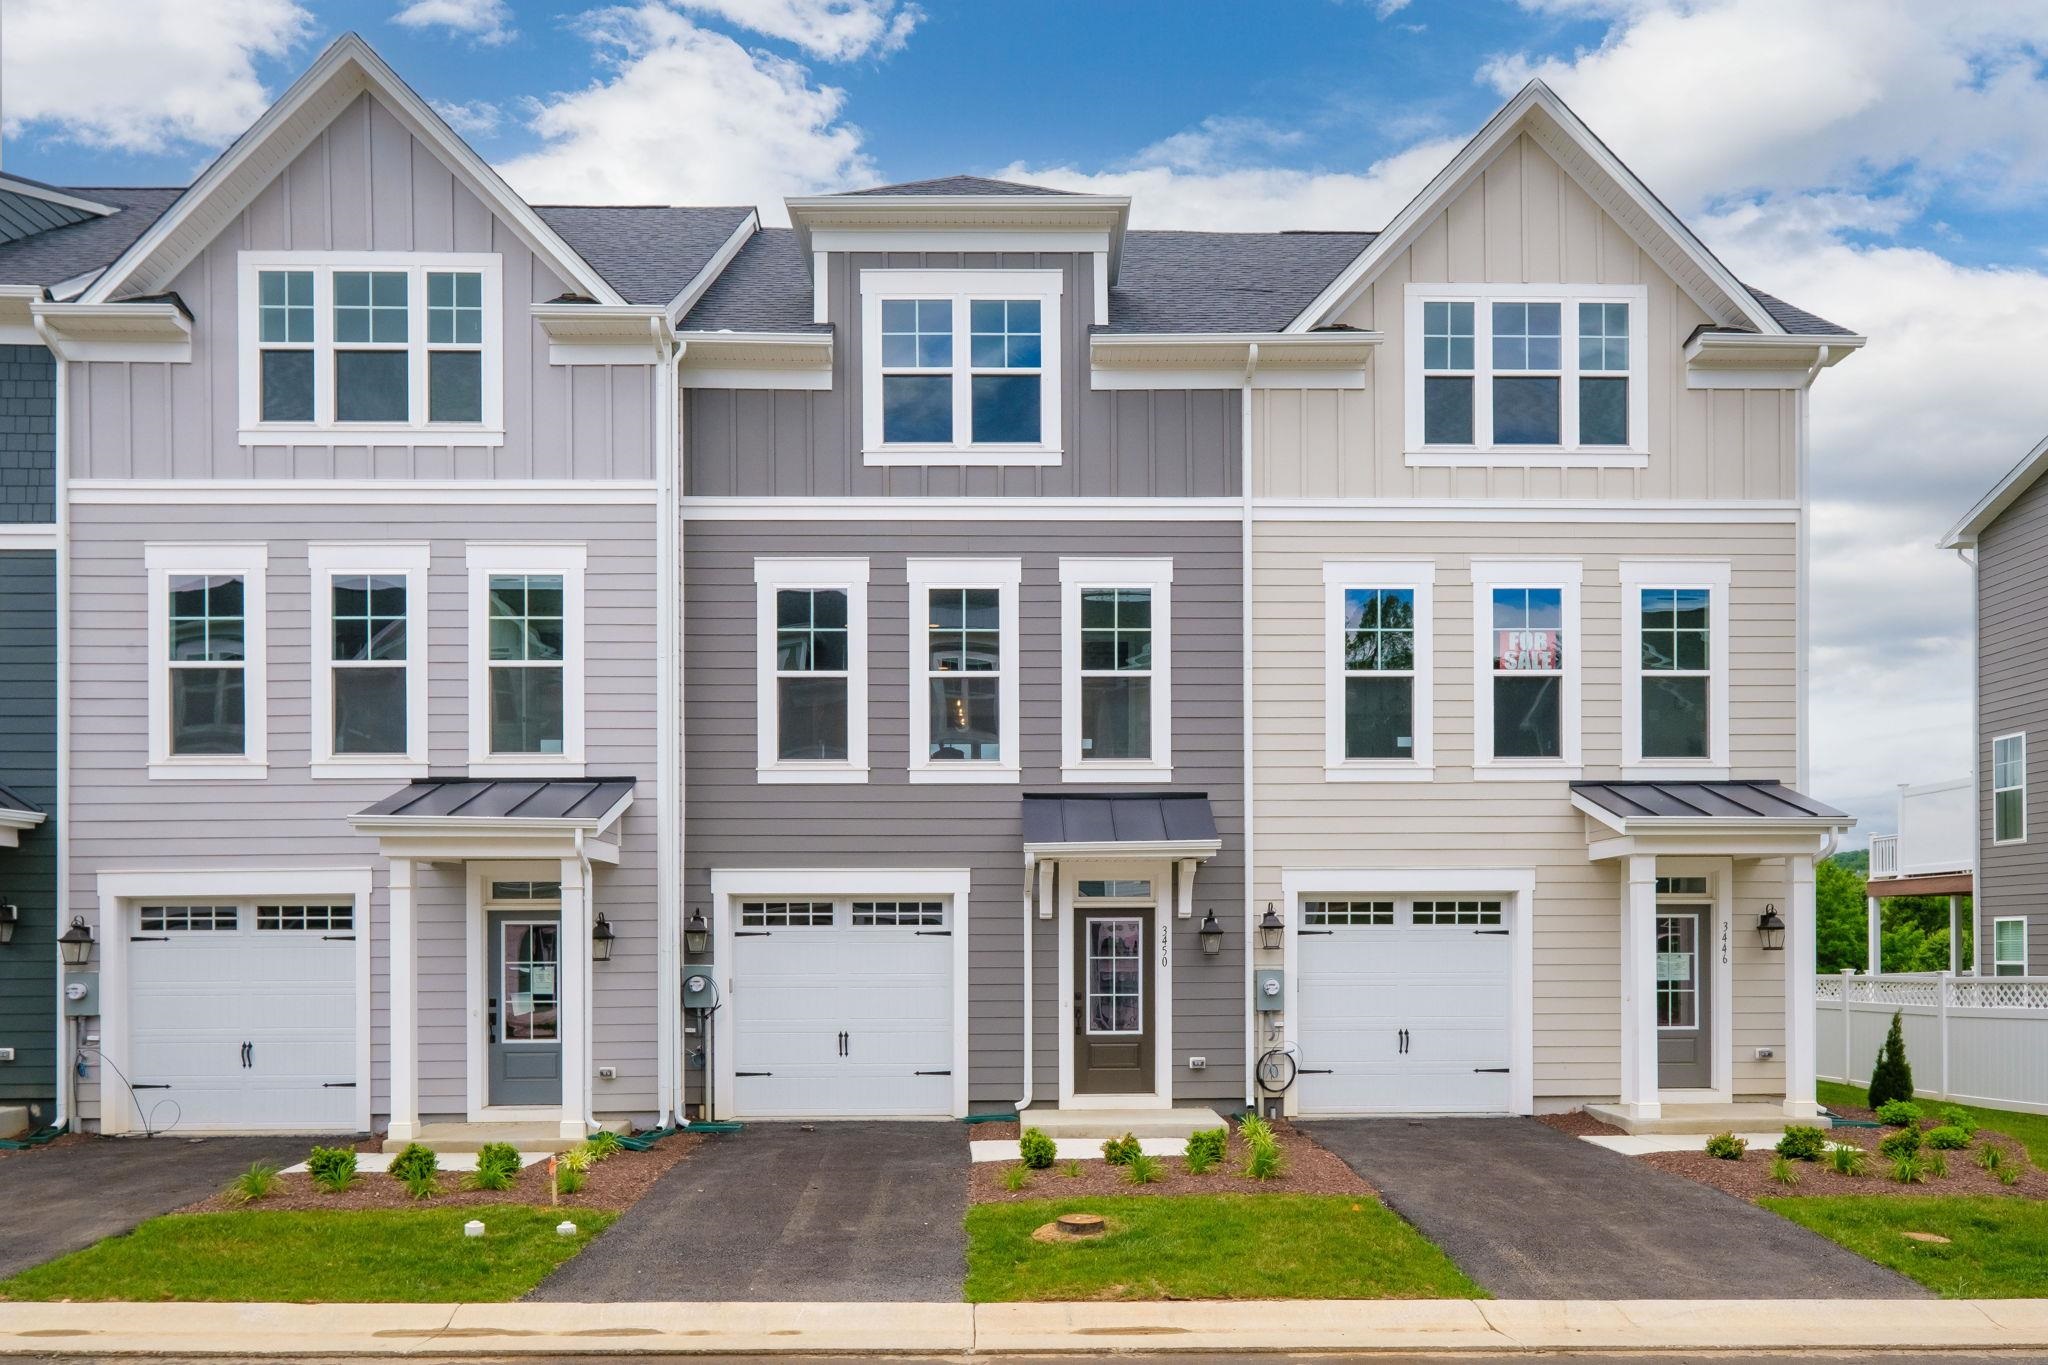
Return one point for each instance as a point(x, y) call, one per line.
point(1771, 930)
point(1211, 934)
point(1271, 926)
point(601, 937)
point(76, 943)
point(697, 934)
point(9, 917)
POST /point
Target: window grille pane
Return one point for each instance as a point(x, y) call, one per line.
point(811, 718)
point(1457, 912)
point(810, 630)
point(206, 618)
point(189, 918)
point(1526, 337)
point(886, 914)
point(785, 914)
point(1681, 886)
point(1525, 411)
point(455, 308)
point(526, 710)
point(369, 710)
point(1603, 412)
point(455, 386)
point(1347, 912)
point(304, 918)
point(369, 617)
point(1379, 717)
point(1379, 630)
point(370, 306)
point(526, 891)
point(372, 386)
point(285, 306)
point(917, 408)
point(1446, 411)
point(1447, 341)
point(1104, 888)
point(1005, 408)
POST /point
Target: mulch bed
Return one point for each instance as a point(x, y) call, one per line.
point(1578, 1123)
point(1750, 1178)
point(62, 1140)
point(613, 1185)
point(993, 1131)
point(1307, 1169)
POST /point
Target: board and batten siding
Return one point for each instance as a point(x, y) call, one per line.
point(123, 821)
point(28, 873)
point(1525, 220)
point(1456, 823)
point(1156, 444)
point(363, 184)
point(2012, 664)
point(733, 821)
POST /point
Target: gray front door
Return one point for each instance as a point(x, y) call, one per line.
point(525, 1011)
point(1685, 1052)
point(1113, 1034)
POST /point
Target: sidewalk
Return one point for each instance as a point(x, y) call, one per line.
point(513, 1329)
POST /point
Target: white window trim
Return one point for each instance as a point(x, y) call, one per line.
point(1005, 575)
point(962, 286)
point(324, 430)
point(771, 576)
point(324, 563)
point(251, 562)
point(1997, 740)
point(1637, 575)
point(1155, 576)
point(1482, 453)
point(569, 561)
point(1488, 574)
point(1996, 960)
point(1419, 576)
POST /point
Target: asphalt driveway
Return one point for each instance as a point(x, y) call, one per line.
point(1533, 1214)
point(62, 1199)
point(786, 1211)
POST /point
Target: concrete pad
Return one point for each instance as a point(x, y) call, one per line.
point(379, 1163)
point(1098, 1124)
point(218, 1329)
point(1705, 1119)
point(708, 1328)
point(1093, 1328)
point(13, 1120)
point(1072, 1149)
point(1642, 1144)
point(2025, 1319)
point(1784, 1324)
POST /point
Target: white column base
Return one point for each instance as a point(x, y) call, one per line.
point(572, 1129)
point(1802, 1109)
point(1641, 1109)
point(400, 1130)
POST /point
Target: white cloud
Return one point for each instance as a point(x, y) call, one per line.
point(471, 118)
point(686, 115)
point(834, 30)
point(485, 21)
point(142, 77)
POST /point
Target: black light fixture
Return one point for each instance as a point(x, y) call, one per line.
point(601, 937)
point(9, 917)
point(76, 943)
point(1211, 934)
point(1271, 927)
point(1771, 929)
point(697, 934)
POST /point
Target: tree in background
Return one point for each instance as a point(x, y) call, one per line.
point(1912, 930)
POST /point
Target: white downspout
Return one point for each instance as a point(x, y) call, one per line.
point(60, 476)
point(589, 918)
point(1977, 916)
point(1251, 1018)
point(1030, 930)
point(668, 752)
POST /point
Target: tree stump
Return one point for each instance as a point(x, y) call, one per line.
point(1081, 1224)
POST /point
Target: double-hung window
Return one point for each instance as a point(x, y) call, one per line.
point(526, 657)
point(363, 346)
point(963, 670)
point(1377, 670)
point(1116, 625)
point(2009, 946)
point(811, 695)
point(1525, 374)
point(1675, 673)
point(961, 367)
point(207, 692)
point(1527, 666)
point(369, 681)
point(2009, 789)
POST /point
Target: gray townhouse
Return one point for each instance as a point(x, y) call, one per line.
point(541, 666)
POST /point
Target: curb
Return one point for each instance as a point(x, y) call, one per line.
point(615, 1329)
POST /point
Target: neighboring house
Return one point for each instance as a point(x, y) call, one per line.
point(575, 664)
point(2004, 538)
point(1933, 853)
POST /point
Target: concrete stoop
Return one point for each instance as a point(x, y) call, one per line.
point(13, 1120)
point(1096, 1125)
point(1704, 1119)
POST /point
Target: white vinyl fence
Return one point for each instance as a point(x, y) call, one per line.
point(1977, 1039)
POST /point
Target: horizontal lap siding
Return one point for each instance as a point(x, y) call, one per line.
point(1454, 822)
point(2012, 658)
point(124, 821)
point(28, 873)
point(735, 822)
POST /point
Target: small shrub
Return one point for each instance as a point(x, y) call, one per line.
point(255, 1183)
point(1142, 1169)
point(1908, 1169)
point(578, 1159)
point(1785, 1169)
point(1037, 1149)
point(1119, 1151)
point(1847, 1160)
point(568, 1179)
point(1211, 1142)
point(421, 1184)
point(604, 1144)
point(1254, 1130)
point(1198, 1160)
point(2009, 1173)
point(1071, 1170)
point(1016, 1177)
point(333, 1168)
point(1265, 1162)
point(1898, 1113)
point(1948, 1138)
point(1955, 1116)
point(1802, 1143)
point(1727, 1146)
point(1991, 1157)
point(497, 1166)
point(1904, 1142)
point(1891, 1077)
point(413, 1162)
point(1936, 1162)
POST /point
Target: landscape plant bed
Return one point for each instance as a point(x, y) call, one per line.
point(57, 1143)
point(614, 1185)
point(1578, 1123)
point(1991, 1248)
point(2029, 1130)
point(1750, 1178)
point(1305, 1169)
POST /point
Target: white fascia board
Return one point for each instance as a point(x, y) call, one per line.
point(681, 304)
point(1184, 848)
point(1963, 535)
point(1746, 360)
point(135, 331)
point(21, 819)
point(1103, 216)
point(756, 360)
point(346, 69)
point(483, 824)
point(30, 190)
point(602, 333)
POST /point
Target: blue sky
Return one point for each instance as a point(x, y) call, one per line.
point(1884, 163)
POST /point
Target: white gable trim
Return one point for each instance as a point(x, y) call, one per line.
point(1537, 110)
point(1963, 535)
point(349, 67)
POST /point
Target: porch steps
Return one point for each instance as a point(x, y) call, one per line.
point(1094, 1125)
point(471, 1137)
point(1703, 1119)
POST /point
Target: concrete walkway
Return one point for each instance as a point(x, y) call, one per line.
point(849, 1211)
point(1530, 1213)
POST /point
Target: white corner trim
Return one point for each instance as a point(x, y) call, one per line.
point(922, 576)
point(1418, 576)
point(569, 560)
point(1151, 574)
point(772, 575)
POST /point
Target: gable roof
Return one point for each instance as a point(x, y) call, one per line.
point(2022, 476)
point(649, 253)
point(63, 253)
point(958, 184)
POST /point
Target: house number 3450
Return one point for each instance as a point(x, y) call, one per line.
point(1165, 942)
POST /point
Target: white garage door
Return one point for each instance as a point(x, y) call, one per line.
point(842, 1008)
point(1403, 1006)
point(242, 1017)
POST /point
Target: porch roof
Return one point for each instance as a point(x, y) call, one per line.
point(1745, 816)
point(476, 817)
point(1120, 824)
point(17, 813)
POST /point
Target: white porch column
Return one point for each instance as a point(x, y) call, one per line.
point(1801, 945)
point(1955, 940)
point(404, 1009)
point(1873, 933)
point(572, 999)
point(1639, 988)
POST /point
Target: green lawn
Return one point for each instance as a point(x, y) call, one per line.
point(1998, 1248)
point(357, 1256)
point(1257, 1246)
point(2029, 1129)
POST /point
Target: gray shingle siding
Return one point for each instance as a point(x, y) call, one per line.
point(28, 874)
point(28, 435)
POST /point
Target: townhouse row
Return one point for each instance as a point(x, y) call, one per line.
point(569, 665)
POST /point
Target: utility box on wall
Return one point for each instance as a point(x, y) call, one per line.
point(699, 989)
point(1269, 989)
point(81, 994)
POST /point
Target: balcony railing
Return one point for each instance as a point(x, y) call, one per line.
point(1884, 855)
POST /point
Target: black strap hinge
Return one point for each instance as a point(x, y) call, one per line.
point(338, 938)
point(149, 938)
point(1500, 933)
point(141, 1085)
point(1490, 1070)
point(338, 1085)
point(1304, 933)
point(931, 1073)
point(932, 933)
point(752, 933)
point(1314, 1071)
point(753, 1073)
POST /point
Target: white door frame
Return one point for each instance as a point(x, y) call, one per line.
point(118, 894)
point(1517, 890)
point(824, 883)
point(477, 877)
point(1720, 928)
point(1159, 956)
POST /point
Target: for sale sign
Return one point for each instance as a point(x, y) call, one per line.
point(1525, 651)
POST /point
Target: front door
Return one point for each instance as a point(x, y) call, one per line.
point(524, 1018)
point(1684, 1033)
point(1113, 1015)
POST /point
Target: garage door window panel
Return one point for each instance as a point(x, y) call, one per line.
point(1347, 912)
point(305, 918)
point(898, 914)
point(158, 919)
point(786, 914)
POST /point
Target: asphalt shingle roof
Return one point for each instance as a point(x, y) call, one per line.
point(1797, 321)
point(959, 184)
point(52, 257)
point(649, 253)
point(767, 288)
point(1224, 281)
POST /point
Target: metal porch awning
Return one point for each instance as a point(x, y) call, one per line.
point(479, 817)
point(1120, 825)
point(17, 813)
point(1756, 817)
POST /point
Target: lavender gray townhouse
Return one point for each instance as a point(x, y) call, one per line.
point(556, 666)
